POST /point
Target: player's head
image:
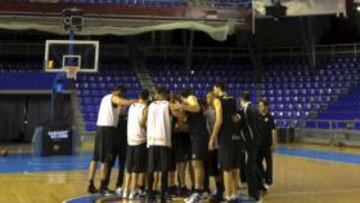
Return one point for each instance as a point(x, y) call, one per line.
point(210, 98)
point(144, 95)
point(120, 90)
point(218, 88)
point(173, 98)
point(161, 93)
point(203, 104)
point(185, 93)
point(245, 97)
point(263, 106)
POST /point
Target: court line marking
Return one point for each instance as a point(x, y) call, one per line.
point(79, 197)
point(337, 152)
point(65, 173)
point(313, 192)
point(317, 159)
point(56, 164)
point(344, 151)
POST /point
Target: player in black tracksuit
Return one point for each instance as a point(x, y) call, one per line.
point(251, 134)
point(267, 142)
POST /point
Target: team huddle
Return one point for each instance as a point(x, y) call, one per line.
point(178, 145)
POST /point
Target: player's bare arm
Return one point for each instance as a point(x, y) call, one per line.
point(144, 118)
point(121, 101)
point(176, 110)
point(191, 105)
point(217, 124)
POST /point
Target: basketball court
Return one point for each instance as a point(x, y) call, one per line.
point(302, 174)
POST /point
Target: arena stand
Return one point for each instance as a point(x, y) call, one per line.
point(156, 3)
point(296, 92)
point(24, 75)
point(318, 103)
point(28, 76)
point(322, 99)
point(203, 74)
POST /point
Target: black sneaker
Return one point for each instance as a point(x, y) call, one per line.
point(166, 198)
point(184, 192)
point(150, 198)
point(217, 197)
point(172, 191)
point(92, 189)
point(157, 193)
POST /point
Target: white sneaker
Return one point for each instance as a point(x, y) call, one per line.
point(260, 200)
point(194, 198)
point(125, 194)
point(234, 197)
point(119, 191)
point(141, 193)
point(227, 198)
point(267, 186)
point(132, 195)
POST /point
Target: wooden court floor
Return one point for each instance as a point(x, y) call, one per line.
point(297, 180)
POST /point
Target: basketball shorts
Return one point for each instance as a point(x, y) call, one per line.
point(229, 153)
point(199, 145)
point(212, 163)
point(136, 159)
point(159, 158)
point(103, 148)
point(182, 147)
point(119, 148)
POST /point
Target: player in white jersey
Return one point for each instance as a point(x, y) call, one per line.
point(136, 150)
point(110, 107)
point(159, 140)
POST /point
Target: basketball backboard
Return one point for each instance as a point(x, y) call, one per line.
point(62, 54)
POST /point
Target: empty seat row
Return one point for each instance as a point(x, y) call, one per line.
point(154, 3)
point(108, 86)
point(304, 92)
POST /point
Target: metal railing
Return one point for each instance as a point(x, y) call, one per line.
point(327, 132)
point(323, 123)
point(332, 49)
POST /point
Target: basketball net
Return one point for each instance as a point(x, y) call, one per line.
point(71, 72)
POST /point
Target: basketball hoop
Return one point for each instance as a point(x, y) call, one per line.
point(71, 72)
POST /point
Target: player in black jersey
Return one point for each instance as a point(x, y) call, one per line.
point(181, 146)
point(199, 139)
point(212, 163)
point(225, 135)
